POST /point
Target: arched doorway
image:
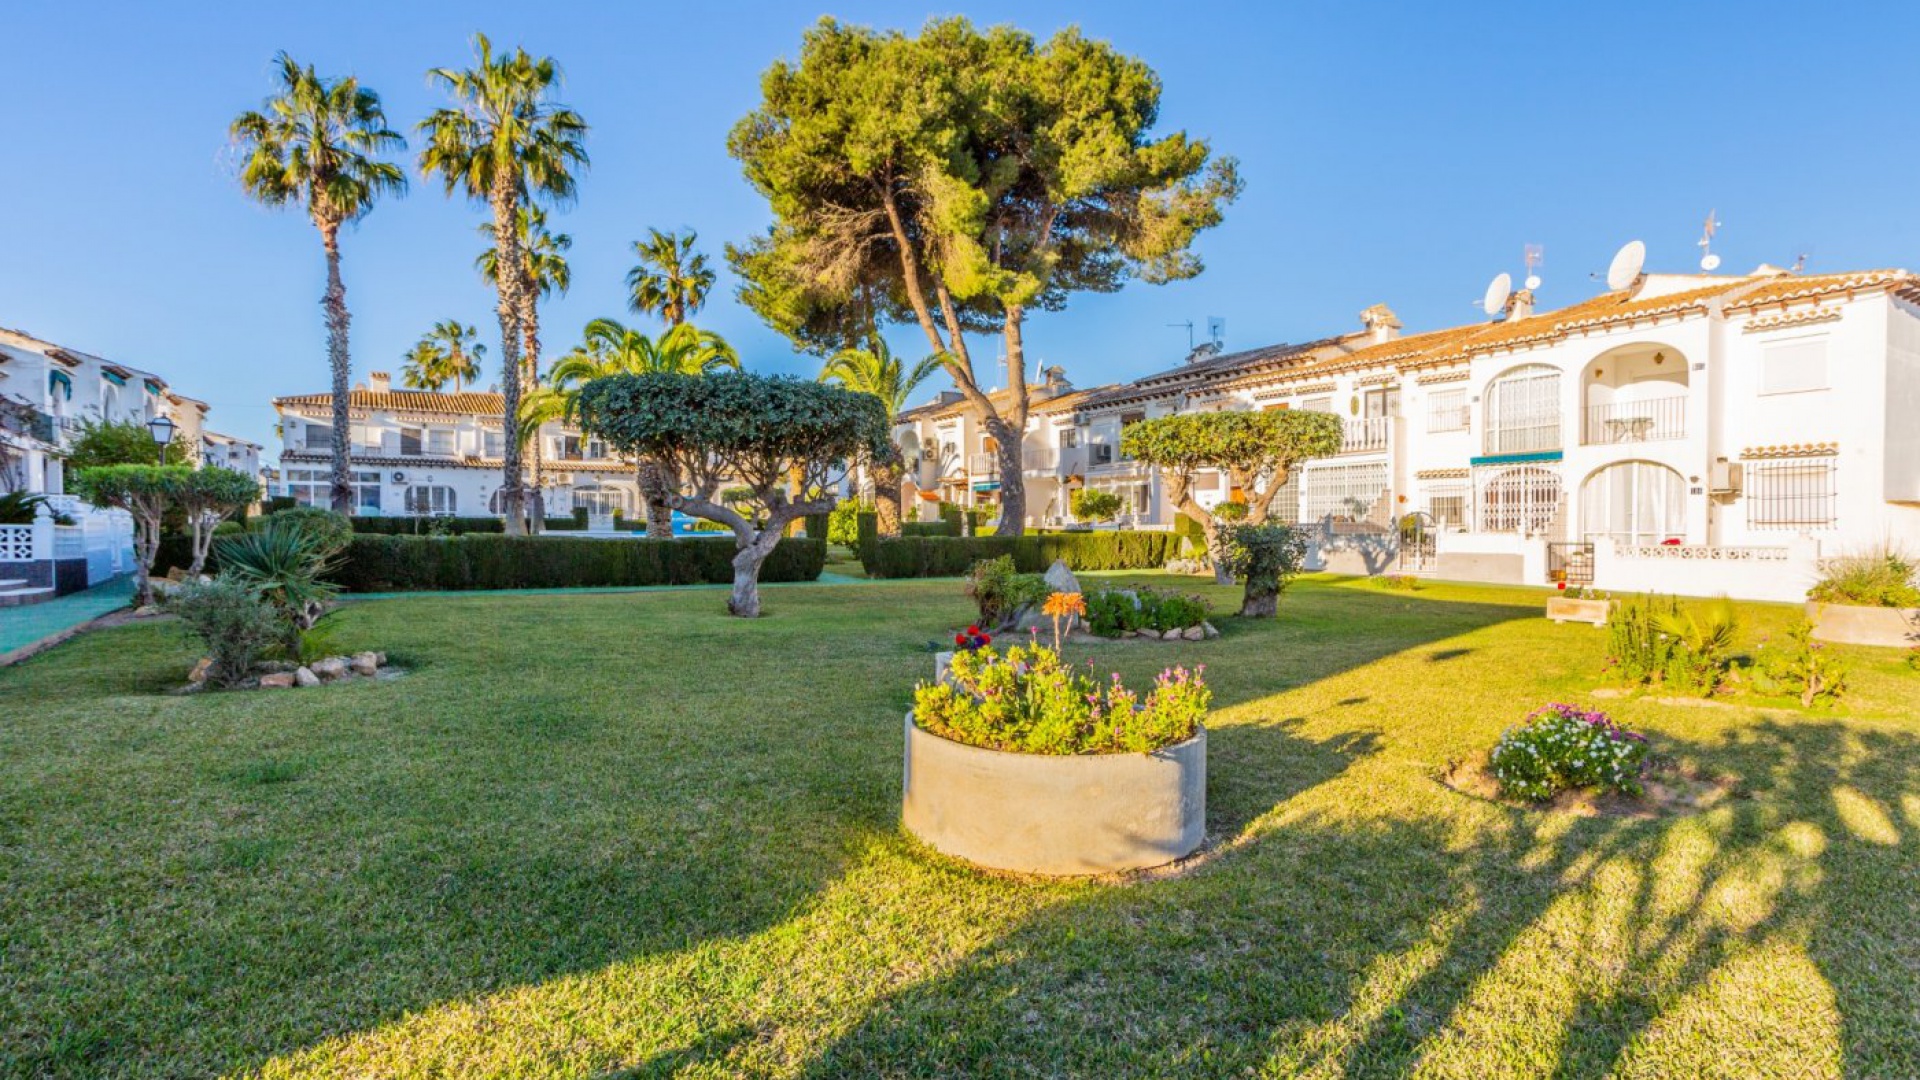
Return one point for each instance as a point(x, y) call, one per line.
point(1523, 499)
point(1635, 393)
point(1634, 502)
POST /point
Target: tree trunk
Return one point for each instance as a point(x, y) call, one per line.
point(745, 600)
point(655, 486)
point(1013, 480)
point(147, 540)
point(1216, 553)
point(887, 510)
point(339, 360)
point(202, 542)
point(1266, 605)
point(509, 279)
point(530, 345)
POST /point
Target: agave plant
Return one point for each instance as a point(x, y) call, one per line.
point(282, 562)
point(1706, 642)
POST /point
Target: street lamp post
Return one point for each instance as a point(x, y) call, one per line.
point(161, 428)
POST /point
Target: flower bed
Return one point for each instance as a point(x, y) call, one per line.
point(1148, 613)
point(1562, 746)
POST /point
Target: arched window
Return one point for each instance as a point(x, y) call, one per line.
point(1523, 411)
point(1519, 500)
point(1634, 502)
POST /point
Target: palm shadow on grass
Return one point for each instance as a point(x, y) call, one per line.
point(1373, 946)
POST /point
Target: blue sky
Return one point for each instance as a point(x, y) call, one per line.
point(1402, 154)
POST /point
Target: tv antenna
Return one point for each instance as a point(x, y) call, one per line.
point(1217, 331)
point(1708, 260)
point(1189, 325)
point(1628, 262)
point(1536, 258)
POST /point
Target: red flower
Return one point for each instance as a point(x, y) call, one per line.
point(973, 630)
point(1563, 586)
point(960, 639)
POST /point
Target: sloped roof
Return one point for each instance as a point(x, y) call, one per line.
point(425, 401)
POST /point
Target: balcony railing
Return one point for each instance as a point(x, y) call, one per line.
point(1368, 434)
point(983, 464)
point(1526, 435)
point(1635, 421)
point(1055, 461)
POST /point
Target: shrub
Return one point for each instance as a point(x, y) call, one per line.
point(952, 556)
point(1882, 577)
point(843, 522)
point(452, 526)
point(235, 624)
point(330, 531)
point(229, 528)
point(283, 563)
point(1029, 701)
point(1111, 612)
point(1704, 647)
point(1266, 558)
point(412, 563)
point(1093, 504)
point(1564, 746)
point(1805, 668)
point(20, 507)
point(999, 590)
point(819, 526)
point(1638, 653)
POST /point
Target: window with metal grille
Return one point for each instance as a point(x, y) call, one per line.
point(1519, 500)
point(1447, 410)
point(1285, 507)
point(1523, 411)
point(1791, 495)
point(1342, 492)
point(1447, 505)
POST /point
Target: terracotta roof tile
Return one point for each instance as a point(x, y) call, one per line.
point(1785, 289)
point(431, 401)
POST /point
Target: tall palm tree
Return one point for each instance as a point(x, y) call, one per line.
point(609, 348)
point(448, 353)
point(671, 280)
point(505, 141)
point(545, 254)
point(318, 142)
point(875, 370)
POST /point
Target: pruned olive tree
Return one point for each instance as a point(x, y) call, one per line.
point(1253, 450)
point(207, 497)
point(755, 431)
point(143, 491)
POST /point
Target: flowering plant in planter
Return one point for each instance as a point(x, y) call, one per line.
point(1562, 746)
point(1030, 701)
point(971, 639)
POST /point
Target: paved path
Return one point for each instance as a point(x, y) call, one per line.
point(21, 627)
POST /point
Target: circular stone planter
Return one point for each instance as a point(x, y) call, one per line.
point(1062, 815)
point(1845, 624)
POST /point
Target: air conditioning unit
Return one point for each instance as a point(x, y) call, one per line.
point(1726, 477)
point(399, 478)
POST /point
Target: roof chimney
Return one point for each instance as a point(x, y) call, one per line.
point(378, 382)
point(1520, 305)
point(1381, 323)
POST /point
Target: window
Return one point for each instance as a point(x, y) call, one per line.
point(440, 442)
point(365, 440)
point(1524, 500)
point(1447, 410)
point(1317, 404)
point(1791, 367)
point(1285, 507)
point(492, 443)
point(430, 499)
point(109, 400)
point(1634, 502)
point(1069, 438)
point(317, 436)
point(312, 487)
point(409, 442)
point(1446, 504)
point(1791, 495)
point(1523, 411)
point(567, 447)
point(1343, 492)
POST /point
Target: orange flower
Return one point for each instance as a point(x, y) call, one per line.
point(1062, 604)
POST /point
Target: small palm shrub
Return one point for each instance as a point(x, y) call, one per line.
point(998, 589)
point(282, 562)
point(1882, 577)
point(1804, 667)
point(1030, 701)
point(1703, 653)
point(1559, 747)
point(233, 622)
point(20, 507)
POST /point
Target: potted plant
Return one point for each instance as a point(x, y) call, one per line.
point(1869, 598)
point(1019, 761)
point(1579, 605)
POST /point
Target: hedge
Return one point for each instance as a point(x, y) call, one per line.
point(941, 556)
point(482, 561)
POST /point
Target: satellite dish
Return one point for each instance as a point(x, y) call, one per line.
point(1710, 262)
point(1497, 292)
point(1533, 281)
point(1627, 263)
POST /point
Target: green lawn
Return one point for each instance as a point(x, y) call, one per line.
point(624, 835)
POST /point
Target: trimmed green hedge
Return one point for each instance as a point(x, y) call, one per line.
point(942, 556)
point(406, 563)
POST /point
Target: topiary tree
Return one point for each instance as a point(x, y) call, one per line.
point(1094, 504)
point(1267, 558)
point(119, 442)
point(207, 497)
point(1253, 449)
point(763, 432)
point(144, 491)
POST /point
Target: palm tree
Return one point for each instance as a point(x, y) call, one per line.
point(875, 370)
point(448, 353)
point(609, 348)
point(505, 141)
point(671, 279)
point(545, 254)
point(317, 141)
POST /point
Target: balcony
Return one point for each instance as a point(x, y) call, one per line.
point(1635, 421)
point(1524, 435)
point(1361, 436)
point(1054, 461)
point(983, 464)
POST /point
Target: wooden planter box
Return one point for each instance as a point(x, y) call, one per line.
point(1895, 628)
point(1061, 815)
point(1562, 609)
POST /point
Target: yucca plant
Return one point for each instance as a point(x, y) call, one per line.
point(283, 563)
point(19, 508)
point(1705, 644)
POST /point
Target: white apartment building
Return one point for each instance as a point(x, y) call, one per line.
point(952, 458)
point(419, 453)
point(1690, 434)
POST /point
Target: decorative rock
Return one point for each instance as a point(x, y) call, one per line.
point(199, 673)
point(147, 612)
point(380, 658)
point(1061, 579)
point(331, 668)
point(366, 663)
point(278, 680)
point(305, 677)
point(1193, 633)
point(1611, 692)
point(1207, 629)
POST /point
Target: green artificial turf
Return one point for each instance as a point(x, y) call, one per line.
point(625, 835)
